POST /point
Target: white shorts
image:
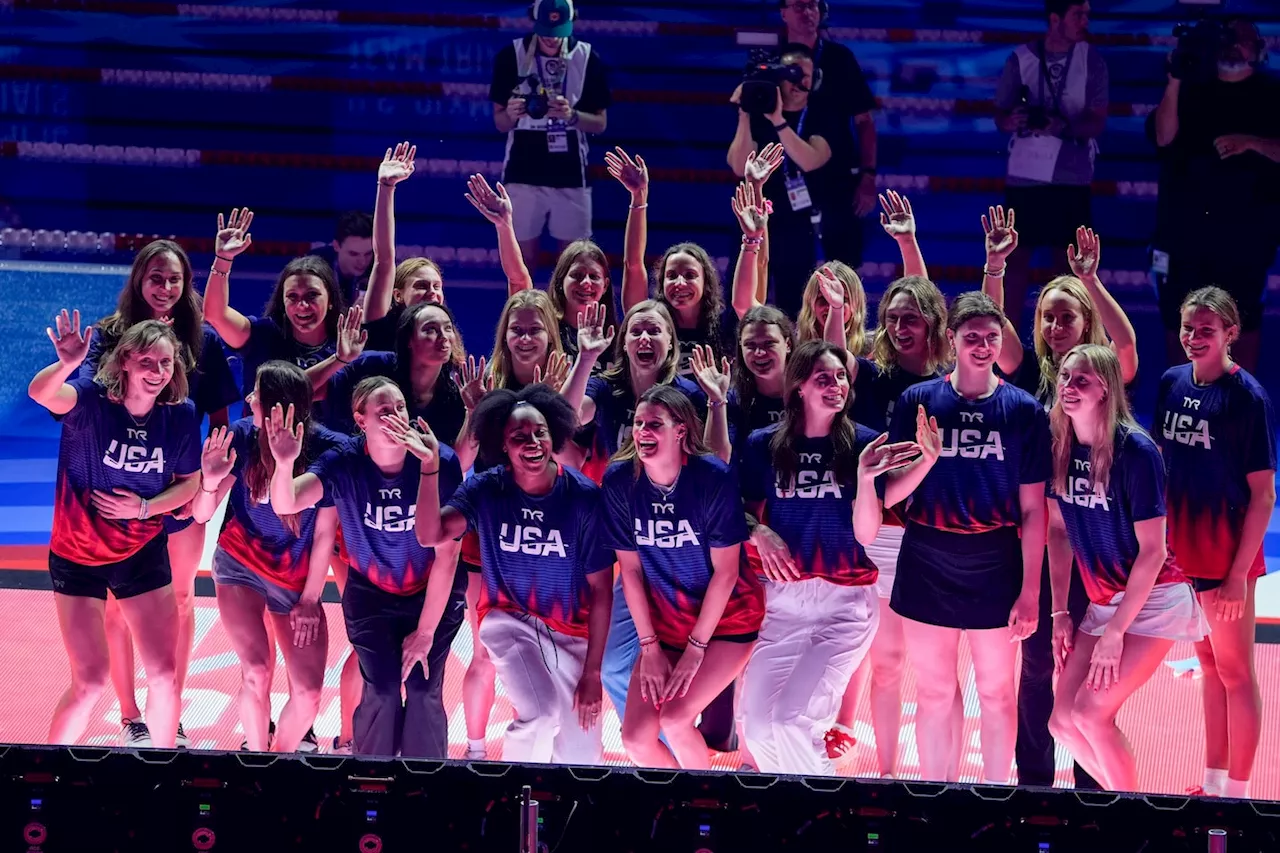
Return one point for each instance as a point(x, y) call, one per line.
point(563, 211)
point(1171, 612)
point(884, 553)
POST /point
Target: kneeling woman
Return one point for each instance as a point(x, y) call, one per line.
point(675, 520)
point(546, 595)
point(1108, 478)
point(403, 598)
point(129, 456)
point(801, 479)
point(267, 562)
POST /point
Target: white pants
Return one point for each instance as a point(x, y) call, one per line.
point(884, 553)
point(540, 669)
point(565, 212)
point(814, 636)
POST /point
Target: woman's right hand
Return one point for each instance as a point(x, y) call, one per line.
point(419, 441)
point(760, 166)
point(69, 342)
point(655, 670)
point(284, 436)
point(928, 436)
point(1064, 638)
point(352, 335)
point(631, 173)
point(473, 381)
point(593, 338)
point(880, 457)
point(775, 556)
point(896, 217)
point(493, 206)
point(1001, 235)
point(748, 206)
point(233, 234)
point(217, 459)
point(397, 165)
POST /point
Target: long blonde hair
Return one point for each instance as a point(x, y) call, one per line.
point(855, 330)
point(113, 376)
point(1116, 415)
point(500, 359)
point(933, 307)
point(1093, 331)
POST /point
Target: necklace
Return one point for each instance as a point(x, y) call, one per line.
point(146, 418)
point(667, 491)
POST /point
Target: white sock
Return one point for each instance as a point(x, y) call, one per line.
point(995, 781)
point(477, 744)
point(1236, 789)
point(1215, 782)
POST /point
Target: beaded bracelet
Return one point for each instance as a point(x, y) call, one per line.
point(751, 241)
point(218, 272)
point(697, 644)
point(987, 271)
point(649, 640)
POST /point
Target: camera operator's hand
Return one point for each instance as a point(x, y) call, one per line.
point(1233, 144)
point(1017, 121)
point(516, 108)
point(776, 118)
point(736, 97)
point(558, 108)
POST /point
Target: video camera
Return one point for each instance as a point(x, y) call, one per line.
point(760, 81)
point(1200, 45)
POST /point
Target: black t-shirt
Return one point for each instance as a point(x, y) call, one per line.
point(723, 345)
point(382, 332)
point(842, 95)
point(349, 285)
point(528, 160)
point(1197, 186)
point(806, 123)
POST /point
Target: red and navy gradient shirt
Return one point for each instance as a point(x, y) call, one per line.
point(814, 512)
point(1213, 436)
point(1100, 527)
point(104, 447)
point(674, 534)
point(990, 447)
point(536, 551)
point(252, 533)
point(377, 514)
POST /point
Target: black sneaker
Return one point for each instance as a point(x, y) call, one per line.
point(340, 747)
point(134, 734)
point(309, 742)
point(182, 741)
point(271, 736)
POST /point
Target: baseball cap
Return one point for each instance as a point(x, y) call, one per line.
point(553, 18)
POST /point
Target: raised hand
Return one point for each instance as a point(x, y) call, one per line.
point(593, 338)
point(928, 437)
point(233, 234)
point(1085, 255)
point(217, 459)
point(879, 456)
point(397, 165)
point(748, 206)
point(832, 289)
point(284, 436)
point(493, 206)
point(557, 371)
point(775, 556)
point(352, 336)
point(1001, 235)
point(473, 381)
point(896, 217)
point(69, 342)
point(713, 381)
point(631, 173)
point(421, 442)
point(760, 166)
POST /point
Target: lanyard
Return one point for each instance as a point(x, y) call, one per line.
point(789, 167)
point(1045, 80)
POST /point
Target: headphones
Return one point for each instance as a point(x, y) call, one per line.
point(824, 11)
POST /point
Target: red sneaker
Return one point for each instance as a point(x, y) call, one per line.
point(840, 741)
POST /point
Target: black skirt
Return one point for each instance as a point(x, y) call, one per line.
point(958, 580)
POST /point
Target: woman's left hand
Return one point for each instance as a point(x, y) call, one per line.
point(588, 699)
point(879, 456)
point(421, 442)
point(1229, 599)
point(305, 618)
point(1024, 617)
point(713, 381)
point(1104, 664)
point(557, 371)
point(117, 504)
point(683, 674)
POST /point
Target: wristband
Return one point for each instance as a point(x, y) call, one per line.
point(752, 241)
point(697, 644)
point(639, 206)
point(1055, 614)
point(142, 510)
point(712, 404)
point(218, 272)
point(212, 491)
point(987, 271)
point(221, 258)
point(781, 127)
point(428, 473)
point(649, 640)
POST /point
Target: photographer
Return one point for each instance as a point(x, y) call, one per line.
point(549, 91)
point(1052, 97)
point(1218, 131)
point(845, 189)
point(802, 133)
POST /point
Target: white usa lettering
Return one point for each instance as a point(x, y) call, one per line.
point(133, 458)
point(809, 484)
point(664, 533)
point(1080, 492)
point(389, 519)
point(972, 444)
point(520, 539)
point(1187, 430)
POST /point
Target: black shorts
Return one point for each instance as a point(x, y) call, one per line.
point(715, 638)
point(470, 566)
point(1206, 584)
point(1049, 215)
point(958, 580)
point(1242, 272)
point(144, 572)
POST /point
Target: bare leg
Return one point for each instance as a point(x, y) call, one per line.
point(934, 652)
point(241, 610)
point(123, 668)
point(1235, 726)
point(81, 622)
point(185, 549)
point(1062, 722)
point(478, 683)
point(959, 747)
point(995, 661)
point(305, 666)
point(642, 728)
point(153, 621)
point(350, 683)
point(721, 664)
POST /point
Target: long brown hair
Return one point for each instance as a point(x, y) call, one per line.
point(855, 329)
point(619, 373)
point(932, 306)
point(284, 383)
point(574, 252)
point(113, 376)
point(1116, 416)
point(711, 306)
point(132, 308)
point(1093, 331)
point(744, 381)
point(786, 459)
point(307, 265)
point(500, 360)
point(682, 412)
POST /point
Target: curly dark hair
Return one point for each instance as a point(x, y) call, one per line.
point(314, 266)
point(489, 420)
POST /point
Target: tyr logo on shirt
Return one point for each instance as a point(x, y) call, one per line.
point(1186, 429)
point(972, 443)
point(522, 539)
point(134, 458)
point(390, 518)
point(663, 533)
point(809, 484)
point(1080, 489)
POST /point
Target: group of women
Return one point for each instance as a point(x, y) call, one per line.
point(728, 521)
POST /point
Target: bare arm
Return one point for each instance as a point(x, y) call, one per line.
point(1060, 558)
point(233, 238)
point(178, 495)
point(1032, 501)
point(1262, 501)
point(633, 174)
point(323, 539)
point(396, 166)
point(809, 155)
point(496, 207)
point(49, 388)
point(439, 586)
point(211, 494)
point(726, 565)
point(634, 590)
point(1001, 241)
point(600, 592)
point(436, 525)
point(1152, 552)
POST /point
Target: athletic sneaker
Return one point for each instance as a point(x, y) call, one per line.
point(134, 734)
point(343, 748)
point(309, 742)
point(271, 736)
point(840, 741)
point(182, 741)
point(477, 754)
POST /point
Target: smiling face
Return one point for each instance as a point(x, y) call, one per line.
point(306, 303)
point(1062, 321)
point(682, 281)
point(527, 440)
point(387, 400)
point(149, 370)
point(433, 337)
point(584, 284)
point(906, 326)
point(826, 390)
point(426, 285)
point(1080, 390)
point(656, 434)
point(764, 350)
point(1204, 336)
point(977, 343)
point(162, 284)
point(355, 256)
point(527, 337)
point(648, 341)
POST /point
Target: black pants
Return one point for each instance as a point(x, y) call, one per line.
point(1034, 751)
point(377, 625)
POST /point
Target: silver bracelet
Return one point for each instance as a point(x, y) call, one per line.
point(142, 510)
point(1055, 614)
point(987, 271)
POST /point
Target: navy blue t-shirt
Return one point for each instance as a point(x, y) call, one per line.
point(615, 413)
point(876, 393)
point(269, 342)
point(444, 414)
